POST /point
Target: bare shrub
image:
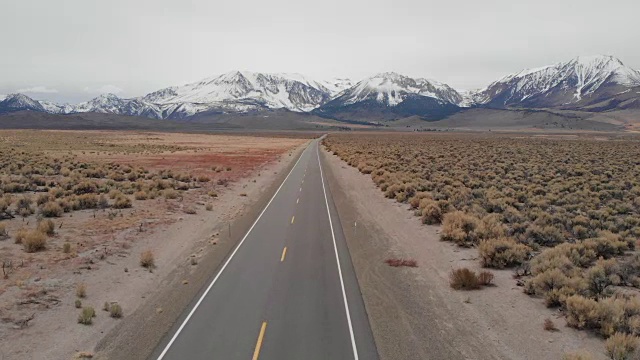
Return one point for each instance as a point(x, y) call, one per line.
point(464, 279)
point(459, 228)
point(141, 195)
point(51, 209)
point(43, 198)
point(502, 252)
point(549, 325)
point(86, 201)
point(431, 212)
point(115, 310)
point(395, 262)
point(85, 187)
point(20, 235)
point(47, 227)
point(170, 194)
point(147, 260)
point(122, 202)
point(87, 315)
point(34, 241)
point(3, 231)
point(209, 207)
point(621, 346)
point(81, 290)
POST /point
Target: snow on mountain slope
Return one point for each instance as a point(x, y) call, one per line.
point(389, 96)
point(244, 91)
point(54, 108)
point(112, 104)
point(578, 82)
point(18, 102)
point(392, 89)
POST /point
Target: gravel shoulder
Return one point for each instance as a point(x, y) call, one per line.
point(413, 312)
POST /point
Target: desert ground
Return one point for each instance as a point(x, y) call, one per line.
point(109, 222)
point(560, 249)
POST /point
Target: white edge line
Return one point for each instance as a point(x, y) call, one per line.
point(335, 248)
point(175, 336)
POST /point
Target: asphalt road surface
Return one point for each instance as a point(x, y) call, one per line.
point(287, 291)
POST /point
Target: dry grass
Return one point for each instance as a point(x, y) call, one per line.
point(34, 241)
point(3, 231)
point(147, 260)
point(549, 325)
point(47, 227)
point(20, 235)
point(115, 310)
point(622, 347)
point(81, 290)
point(86, 315)
point(464, 279)
point(502, 252)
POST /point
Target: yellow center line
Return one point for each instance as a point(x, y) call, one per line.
point(284, 253)
point(292, 219)
point(256, 352)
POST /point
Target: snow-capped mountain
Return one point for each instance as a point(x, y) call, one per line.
point(579, 83)
point(18, 102)
point(54, 108)
point(592, 83)
point(391, 95)
point(112, 104)
point(238, 91)
point(232, 92)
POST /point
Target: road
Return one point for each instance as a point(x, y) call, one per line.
point(287, 291)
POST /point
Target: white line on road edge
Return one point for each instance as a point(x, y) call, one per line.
point(164, 352)
point(335, 248)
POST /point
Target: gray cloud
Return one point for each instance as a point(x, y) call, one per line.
point(104, 89)
point(144, 45)
point(38, 90)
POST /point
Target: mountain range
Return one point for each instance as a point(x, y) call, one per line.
point(590, 83)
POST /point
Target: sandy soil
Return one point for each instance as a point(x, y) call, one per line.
point(38, 319)
point(414, 313)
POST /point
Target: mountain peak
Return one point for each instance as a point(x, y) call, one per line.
point(108, 96)
point(597, 59)
point(581, 80)
point(391, 75)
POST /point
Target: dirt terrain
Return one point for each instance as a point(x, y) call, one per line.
point(413, 311)
point(38, 312)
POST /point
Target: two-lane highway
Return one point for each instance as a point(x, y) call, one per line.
point(287, 291)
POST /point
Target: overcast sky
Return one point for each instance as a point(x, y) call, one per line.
point(72, 50)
